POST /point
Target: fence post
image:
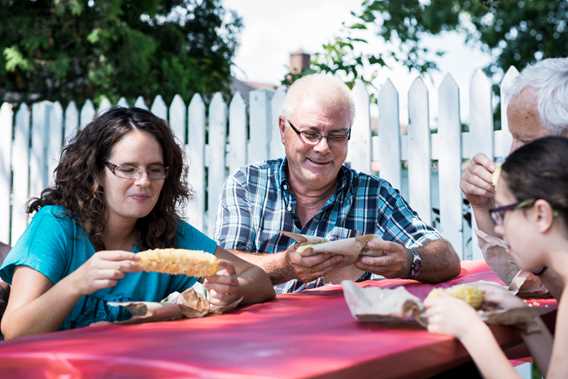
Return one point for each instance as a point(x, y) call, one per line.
point(87, 114)
point(419, 151)
point(449, 163)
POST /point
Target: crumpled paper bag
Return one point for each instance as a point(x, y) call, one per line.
point(191, 303)
point(348, 247)
point(399, 305)
point(522, 283)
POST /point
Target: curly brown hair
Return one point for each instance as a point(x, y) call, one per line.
point(83, 160)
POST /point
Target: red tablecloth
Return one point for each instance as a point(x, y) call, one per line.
point(296, 336)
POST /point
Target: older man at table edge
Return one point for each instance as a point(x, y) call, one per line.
point(311, 192)
point(538, 107)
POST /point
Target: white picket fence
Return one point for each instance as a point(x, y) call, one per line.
point(31, 140)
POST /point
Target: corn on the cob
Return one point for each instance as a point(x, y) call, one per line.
point(179, 261)
point(470, 294)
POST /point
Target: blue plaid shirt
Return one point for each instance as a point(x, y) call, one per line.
point(257, 205)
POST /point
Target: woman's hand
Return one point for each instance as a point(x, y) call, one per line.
point(449, 315)
point(103, 270)
point(224, 286)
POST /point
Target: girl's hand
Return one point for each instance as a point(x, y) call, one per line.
point(449, 315)
point(224, 286)
point(103, 270)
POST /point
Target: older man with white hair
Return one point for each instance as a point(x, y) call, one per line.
point(538, 107)
point(312, 192)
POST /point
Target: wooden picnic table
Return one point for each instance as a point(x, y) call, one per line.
point(306, 335)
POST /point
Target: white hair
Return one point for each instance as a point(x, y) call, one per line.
point(327, 88)
point(549, 78)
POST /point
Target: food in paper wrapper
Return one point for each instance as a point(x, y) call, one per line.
point(191, 303)
point(470, 294)
point(399, 305)
point(179, 261)
point(349, 247)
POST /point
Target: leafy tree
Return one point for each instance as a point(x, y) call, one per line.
point(515, 32)
point(78, 49)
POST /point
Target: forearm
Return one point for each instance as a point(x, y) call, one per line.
point(487, 354)
point(255, 285)
point(43, 314)
point(439, 262)
point(275, 265)
point(483, 220)
point(539, 344)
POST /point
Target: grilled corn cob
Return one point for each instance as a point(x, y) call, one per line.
point(179, 261)
point(470, 294)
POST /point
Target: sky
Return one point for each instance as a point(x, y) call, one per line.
point(273, 29)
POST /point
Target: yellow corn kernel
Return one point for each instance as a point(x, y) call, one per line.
point(470, 294)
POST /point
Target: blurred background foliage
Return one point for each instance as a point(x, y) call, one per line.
point(514, 33)
point(63, 50)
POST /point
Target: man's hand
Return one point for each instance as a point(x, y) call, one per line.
point(309, 265)
point(476, 182)
point(386, 258)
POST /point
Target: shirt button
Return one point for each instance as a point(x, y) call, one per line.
point(289, 208)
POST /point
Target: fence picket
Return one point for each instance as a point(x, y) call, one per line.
point(237, 133)
point(38, 155)
point(6, 119)
point(260, 125)
point(177, 118)
point(481, 135)
point(71, 121)
point(389, 141)
point(87, 114)
point(276, 147)
point(216, 173)
point(504, 135)
point(55, 140)
point(140, 103)
point(159, 108)
point(195, 151)
point(21, 172)
point(419, 151)
point(360, 156)
point(449, 132)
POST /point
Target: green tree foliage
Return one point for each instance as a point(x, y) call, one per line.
point(79, 49)
point(515, 32)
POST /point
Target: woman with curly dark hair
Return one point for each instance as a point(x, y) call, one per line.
point(116, 192)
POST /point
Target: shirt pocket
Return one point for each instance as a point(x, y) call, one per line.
point(338, 233)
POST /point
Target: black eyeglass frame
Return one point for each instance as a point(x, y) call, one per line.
point(497, 214)
point(114, 167)
point(333, 139)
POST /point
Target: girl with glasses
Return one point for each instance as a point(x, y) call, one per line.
point(532, 216)
point(117, 190)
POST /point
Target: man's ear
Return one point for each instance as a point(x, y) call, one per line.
point(543, 215)
point(282, 127)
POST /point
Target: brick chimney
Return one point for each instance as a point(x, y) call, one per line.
point(299, 60)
